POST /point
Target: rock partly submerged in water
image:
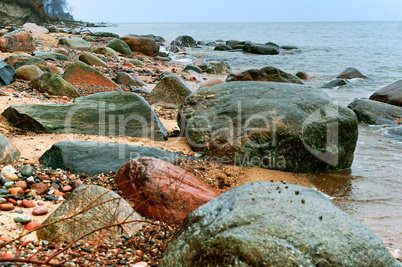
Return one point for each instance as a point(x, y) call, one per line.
point(351, 73)
point(95, 157)
point(374, 112)
point(390, 94)
point(267, 74)
point(336, 83)
point(274, 224)
point(113, 113)
point(280, 126)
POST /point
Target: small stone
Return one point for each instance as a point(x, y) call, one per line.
point(27, 204)
point(17, 191)
point(67, 188)
point(31, 226)
point(21, 184)
point(22, 219)
point(27, 170)
point(7, 170)
point(57, 193)
point(6, 206)
point(139, 253)
point(32, 194)
point(40, 188)
point(5, 238)
point(12, 201)
point(12, 176)
point(39, 211)
point(9, 185)
point(19, 211)
point(51, 198)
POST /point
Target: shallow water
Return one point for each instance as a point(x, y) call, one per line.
point(372, 190)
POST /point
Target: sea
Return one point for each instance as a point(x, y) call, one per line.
point(372, 190)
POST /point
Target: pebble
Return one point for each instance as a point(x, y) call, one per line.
point(8, 170)
point(40, 188)
point(19, 211)
point(9, 185)
point(27, 204)
point(27, 170)
point(6, 206)
point(39, 211)
point(21, 184)
point(17, 191)
point(67, 188)
point(31, 225)
point(12, 176)
point(22, 219)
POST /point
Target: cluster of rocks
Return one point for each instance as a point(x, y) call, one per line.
point(266, 118)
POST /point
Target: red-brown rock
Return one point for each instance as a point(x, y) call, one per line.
point(81, 73)
point(17, 191)
point(6, 206)
point(21, 184)
point(39, 211)
point(12, 201)
point(141, 44)
point(162, 191)
point(19, 40)
point(27, 203)
point(40, 188)
point(67, 188)
point(390, 94)
point(31, 226)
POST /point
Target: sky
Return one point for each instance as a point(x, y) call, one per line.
point(171, 11)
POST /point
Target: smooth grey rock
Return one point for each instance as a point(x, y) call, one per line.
point(7, 74)
point(96, 157)
point(22, 219)
point(261, 49)
point(27, 170)
point(374, 112)
point(191, 67)
point(8, 152)
point(282, 126)
point(222, 47)
point(274, 224)
point(185, 41)
point(105, 34)
point(102, 207)
point(336, 83)
point(218, 68)
point(50, 55)
point(111, 113)
point(74, 42)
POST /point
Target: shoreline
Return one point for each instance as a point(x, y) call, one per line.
point(32, 146)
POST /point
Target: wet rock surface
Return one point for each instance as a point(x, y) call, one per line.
point(274, 224)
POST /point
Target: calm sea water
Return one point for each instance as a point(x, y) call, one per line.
point(372, 190)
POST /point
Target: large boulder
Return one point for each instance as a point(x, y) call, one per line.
point(92, 60)
point(18, 61)
point(185, 41)
point(96, 158)
point(80, 73)
point(53, 84)
point(28, 72)
point(274, 224)
point(8, 152)
point(46, 55)
point(222, 47)
point(351, 73)
point(374, 112)
point(7, 74)
point(218, 68)
point(120, 46)
point(128, 80)
point(143, 45)
point(19, 40)
point(33, 28)
point(336, 83)
point(112, 113)
point(267, 74)
point(162, 191)
point(156, 38)
point(261, 49)
point(74, 42)
point(282, 126)
point(87, 209)
point(106, 51)
point(391, 94)
point(170, 89)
